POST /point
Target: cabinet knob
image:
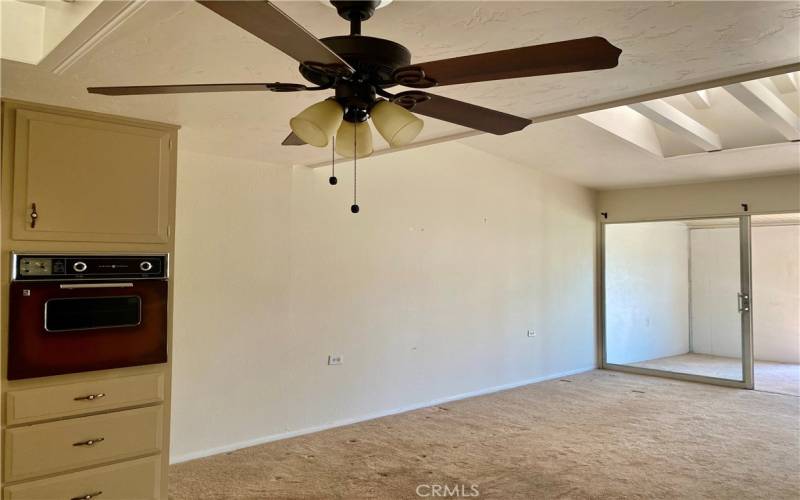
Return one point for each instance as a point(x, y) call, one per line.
point(34, 215)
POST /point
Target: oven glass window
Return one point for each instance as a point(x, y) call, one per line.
point(89, 313)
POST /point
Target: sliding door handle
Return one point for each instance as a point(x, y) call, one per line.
point(744, 302)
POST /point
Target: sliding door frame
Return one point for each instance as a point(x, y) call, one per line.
point(745, 278)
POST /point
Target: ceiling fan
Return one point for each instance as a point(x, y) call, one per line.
point(361, 68)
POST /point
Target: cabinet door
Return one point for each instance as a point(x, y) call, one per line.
point(90, 180)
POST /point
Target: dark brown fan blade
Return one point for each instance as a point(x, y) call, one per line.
point(192, 88)
point(264, 20)
point(293, 140)
point(460, 113)
point(582, 54)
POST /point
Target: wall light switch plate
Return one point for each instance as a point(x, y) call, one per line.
point(335, 359)
point(531, 333)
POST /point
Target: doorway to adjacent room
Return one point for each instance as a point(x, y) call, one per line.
point(711, 300)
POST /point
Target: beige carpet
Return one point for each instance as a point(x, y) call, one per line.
point(601, 434)
point(783, 378)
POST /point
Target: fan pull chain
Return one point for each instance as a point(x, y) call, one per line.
point(354, 207)
point(333, 180)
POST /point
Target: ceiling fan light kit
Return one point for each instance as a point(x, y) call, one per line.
point(395, 123)
point(360, 69)
point(354, 139)
point(317, 123)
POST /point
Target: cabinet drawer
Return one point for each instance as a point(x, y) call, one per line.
point(57, 401)
point(36, 450)
point(135, 479)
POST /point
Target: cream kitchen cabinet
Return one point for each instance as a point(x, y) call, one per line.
point(100, 183)
point(87, 177)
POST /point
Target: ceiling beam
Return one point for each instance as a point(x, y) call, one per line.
point(698, 99)
point(673, 119)
point(628, 125)
point(769, 107)
point(659, 94)
point(786, 82)
point(96, 27)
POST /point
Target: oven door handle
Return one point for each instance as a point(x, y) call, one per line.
point(78, 286)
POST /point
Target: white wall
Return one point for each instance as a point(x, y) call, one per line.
point(231, 336)
point(427, 293)
point(646, 291)
point(776, 292)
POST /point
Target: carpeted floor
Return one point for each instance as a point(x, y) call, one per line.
point(601, 434)
point(783, 378)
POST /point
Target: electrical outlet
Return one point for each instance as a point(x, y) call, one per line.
point(531, 333)
point(335, 359)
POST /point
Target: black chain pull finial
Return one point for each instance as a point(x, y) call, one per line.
point(354, 207)
point(332, 179)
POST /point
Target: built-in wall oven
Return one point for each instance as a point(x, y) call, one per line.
point(76, 313)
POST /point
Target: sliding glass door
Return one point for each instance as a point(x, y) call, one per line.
point(676, 297)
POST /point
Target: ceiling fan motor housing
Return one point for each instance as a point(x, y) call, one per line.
point(374, 60)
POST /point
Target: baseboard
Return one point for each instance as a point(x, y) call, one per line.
point(369, 416)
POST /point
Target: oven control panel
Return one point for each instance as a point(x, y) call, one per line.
point(27, 267)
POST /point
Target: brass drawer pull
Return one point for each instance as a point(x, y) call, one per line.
point(89, 442)
point(88, 496)
point(91, 397)
point(34, 215)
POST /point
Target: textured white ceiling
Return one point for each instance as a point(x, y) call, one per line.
point(577, 150)
point(664, 45)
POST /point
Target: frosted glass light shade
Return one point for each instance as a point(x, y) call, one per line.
point(395, 123)
point(317, 123)
point(344, 139)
